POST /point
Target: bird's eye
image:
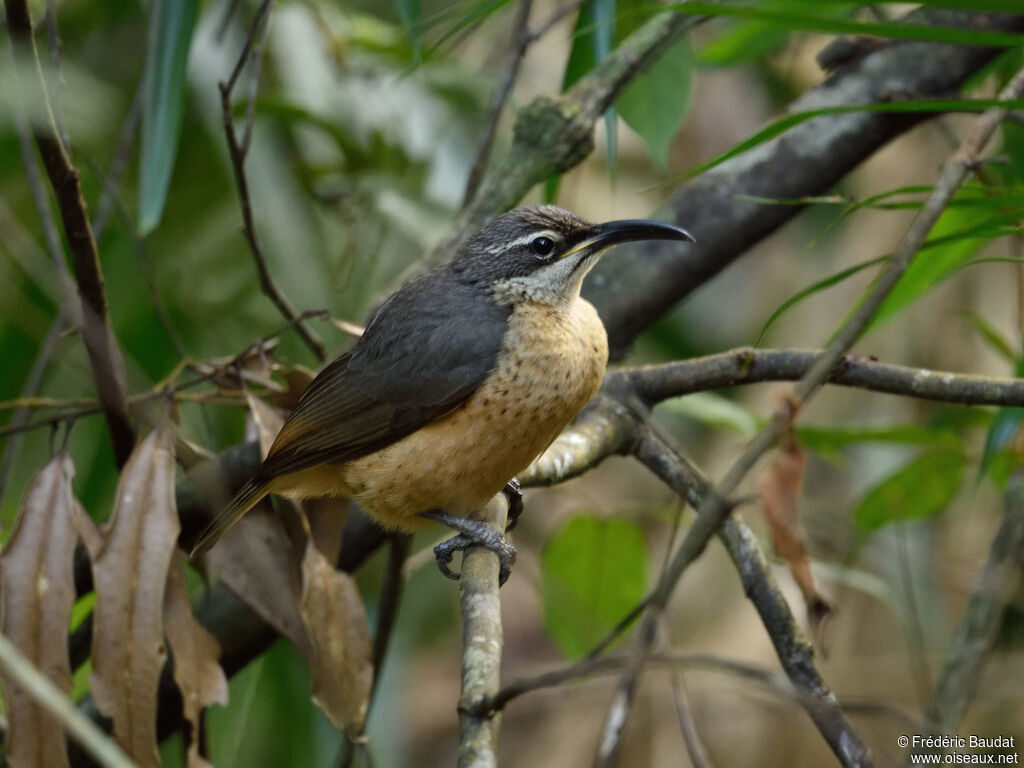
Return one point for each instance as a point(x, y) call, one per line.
point(542, 246)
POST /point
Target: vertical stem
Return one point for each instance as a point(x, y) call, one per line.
point(481, 646)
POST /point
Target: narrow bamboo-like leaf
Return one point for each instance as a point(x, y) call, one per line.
point(171, 23)
point(195, 651)
point(920, 489)
point(656, 103)
point(783, 124)
point(815, 17)
point(954, 239)
point(714, 410)
point(742, 43)
point(410, 13)
point(341, 651)
point(37, 592)
point(130, 574)
point(814, 288)
point(992, 335)
point(828, 441)
point(593, 37)
point(594, 573)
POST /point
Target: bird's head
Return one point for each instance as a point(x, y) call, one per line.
point(542, 253)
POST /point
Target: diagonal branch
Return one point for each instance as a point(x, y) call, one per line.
point(94, 328)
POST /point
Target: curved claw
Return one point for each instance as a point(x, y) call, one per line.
point(514, 494)
point(471, 533)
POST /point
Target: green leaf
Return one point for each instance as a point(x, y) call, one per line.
point(920, 489)
point(814, 288)
point(780, 126)
point(714, 410)
point(171, 23)
point(656, 102)
point(947, 250)
point(593, 39)
point(594, 572)
point(999, 437)
point(820, 17)
point(410, 13)
point(829, 441)
point(742, 43)
point(992, 335)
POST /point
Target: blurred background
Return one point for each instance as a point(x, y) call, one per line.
point(366, 120)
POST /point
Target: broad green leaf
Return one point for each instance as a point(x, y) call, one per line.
point(715, 411)
point(656, 102)
point(920, 489)
point(170, 36)
point(814, 288)
point(594, 572)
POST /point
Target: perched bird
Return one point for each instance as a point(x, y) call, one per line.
point(461, 379)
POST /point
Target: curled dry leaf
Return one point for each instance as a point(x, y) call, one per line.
point(130, 574)
point(340, 650)
point(779, 490)
point(195, 653)
point(38, 593)
point(256, 559)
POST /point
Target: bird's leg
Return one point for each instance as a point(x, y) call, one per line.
point(471, 533)
point(515, 503)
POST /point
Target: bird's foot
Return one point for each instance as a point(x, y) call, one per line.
point(515, 503)
point(472, 533)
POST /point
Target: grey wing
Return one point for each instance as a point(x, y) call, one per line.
point(423, 354)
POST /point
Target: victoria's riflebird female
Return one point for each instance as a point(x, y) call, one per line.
point(461, 379)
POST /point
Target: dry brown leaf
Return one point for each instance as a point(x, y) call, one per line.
point(130, 574)
point(326, 518)
point(195, 653)
point(256, 560)
point(268, 422)
point(296, 381)
point(779, 490)
point(38, 593)
point(341, 652)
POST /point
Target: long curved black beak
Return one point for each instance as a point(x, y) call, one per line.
point(628, 230)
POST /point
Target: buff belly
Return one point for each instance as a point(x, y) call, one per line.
point(459, 462)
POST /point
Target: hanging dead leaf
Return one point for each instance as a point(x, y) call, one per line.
point(195, 653)
point(130, 574)
point(257, 561)
point(778, 487)
point(267, 420)
point(341, 652)
point(326, 518)
point(38, 592)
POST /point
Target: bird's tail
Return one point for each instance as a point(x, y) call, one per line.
point(248, 496)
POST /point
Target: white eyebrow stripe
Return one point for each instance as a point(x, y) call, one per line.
point(532, 236)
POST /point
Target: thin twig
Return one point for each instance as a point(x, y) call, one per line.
point(34, 683)
point(112, 178)
point(95, 330)
point(687, 726)
point(521, 41)
point(481, 646)
point(237, 151)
